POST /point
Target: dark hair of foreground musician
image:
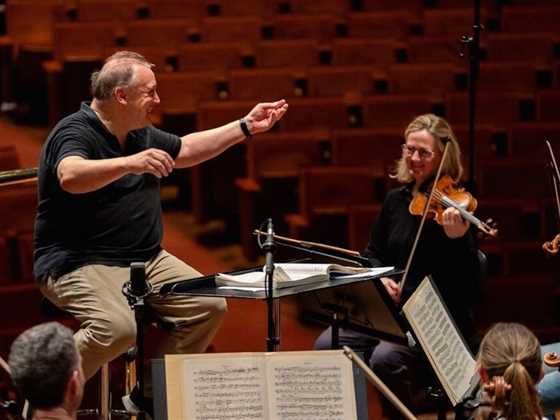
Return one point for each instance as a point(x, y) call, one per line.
point(99, 211)
point(447, 252)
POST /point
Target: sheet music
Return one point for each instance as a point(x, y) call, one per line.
point(441, 341)
point(307, 387)
point(225, 389)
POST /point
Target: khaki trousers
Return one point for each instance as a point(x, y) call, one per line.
point(93, 294)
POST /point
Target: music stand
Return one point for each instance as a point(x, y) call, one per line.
point(364, 307)
point(206, 286)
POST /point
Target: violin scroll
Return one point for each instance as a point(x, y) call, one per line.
point(552, 359)
point(553, 246)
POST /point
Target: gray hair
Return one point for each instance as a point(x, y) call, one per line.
point(118, 70)
point(41, 361)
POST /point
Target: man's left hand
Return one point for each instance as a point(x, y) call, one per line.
point(264, 115)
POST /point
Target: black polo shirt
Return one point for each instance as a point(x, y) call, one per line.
point(115, 225)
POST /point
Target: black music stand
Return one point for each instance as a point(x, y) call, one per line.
point(206, 286)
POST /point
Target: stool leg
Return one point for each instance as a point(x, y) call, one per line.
point(104, 395)
point(130, 380)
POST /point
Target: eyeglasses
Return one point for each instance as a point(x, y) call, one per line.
point(424, 154)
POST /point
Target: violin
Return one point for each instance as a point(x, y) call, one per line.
point(446, 195)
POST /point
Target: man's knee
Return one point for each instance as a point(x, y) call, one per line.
point(114, 333)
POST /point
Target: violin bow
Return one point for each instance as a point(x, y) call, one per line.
point(424, 216)
point(307, 244)
point(555, 176)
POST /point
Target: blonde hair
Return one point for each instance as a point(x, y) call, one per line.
point(440, 129)
point(511, 350)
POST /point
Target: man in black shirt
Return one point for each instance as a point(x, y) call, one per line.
point(99, 210)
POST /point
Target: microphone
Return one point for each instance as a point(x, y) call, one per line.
point(138, 285)
point(269, 242)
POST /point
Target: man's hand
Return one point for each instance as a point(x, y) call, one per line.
point(453, 223)
point(264, 115)
point(392, 288)
point(153, 161)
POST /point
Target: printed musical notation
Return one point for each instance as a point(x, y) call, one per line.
point(441, 341)
point(268, 386)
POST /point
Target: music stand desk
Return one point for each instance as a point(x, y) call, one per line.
point(206, 286)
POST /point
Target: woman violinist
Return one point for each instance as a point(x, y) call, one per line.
point(447, 252)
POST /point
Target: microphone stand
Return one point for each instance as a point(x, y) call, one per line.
point(272, 304)
point(473, 44)
point(135, 291)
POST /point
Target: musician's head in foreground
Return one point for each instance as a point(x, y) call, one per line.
point(510, 358)
point(46, 368)
point(422, 151)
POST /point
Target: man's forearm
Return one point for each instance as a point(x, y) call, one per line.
point(203, 145)
point(78, 175)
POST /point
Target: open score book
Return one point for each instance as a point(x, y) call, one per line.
point(441, 341)
point(295, 274)
point(310, 385)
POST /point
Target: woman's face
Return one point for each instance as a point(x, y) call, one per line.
point(421, 155)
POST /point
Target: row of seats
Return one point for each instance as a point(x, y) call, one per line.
point(24, 15)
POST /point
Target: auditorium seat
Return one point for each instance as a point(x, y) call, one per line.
point(329, 112)
point(166, 33)
point(30, 22)
point(264, 84)
point(361, 219)
point(19, 204)
point(531, 19)
point(549, 106)
point(421, 78)
point(25, 256)
point(491, 141)
point(517, 219)
point(338, 80)
point(210, 56)
point(528, 139)
point(9, 158)
point(377, 5)
point(230, 29)
point(454, 22)
point(508, 76)
point(165, 59)
point(365, 51)
point(381, 25)
point(286, 53)
point(83, 39)
point(101, 10)
point(512, 177)
point(311, 7)
point(5, 262)
point(175, 9)
point(435, 49)
point(373, 148)
point(181, 92)
point(392, 111)
point(326, 192)
point(241, 8)
point(273, 161)
point(498, 108)
point(522, 47)
point(321, 27)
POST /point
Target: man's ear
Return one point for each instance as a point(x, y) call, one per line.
point(74, 389)
point(120, 95)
